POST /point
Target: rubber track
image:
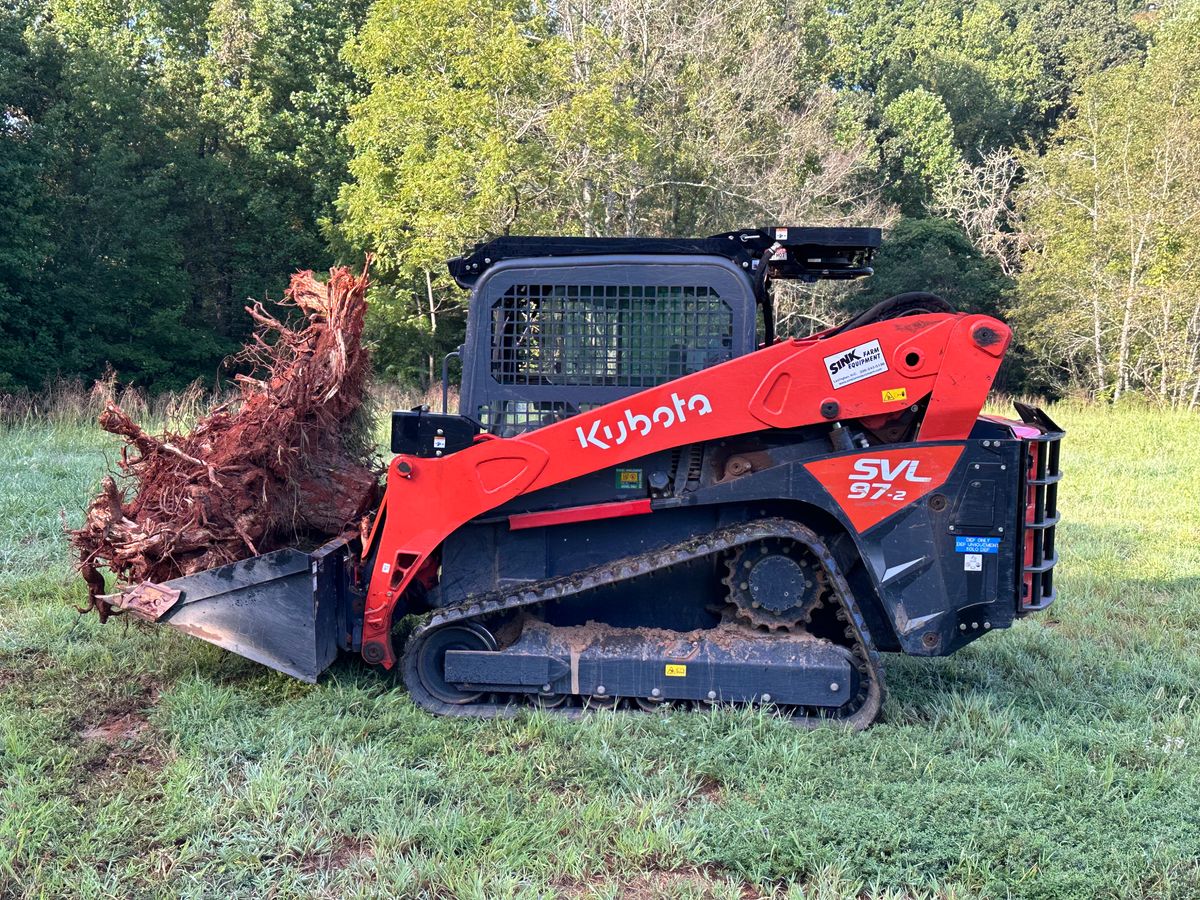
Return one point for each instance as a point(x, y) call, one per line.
point(868, 702)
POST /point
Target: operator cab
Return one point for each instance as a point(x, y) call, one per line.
point(560, 326)
point(548, 338)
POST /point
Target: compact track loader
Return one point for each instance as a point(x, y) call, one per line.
point(648, 498)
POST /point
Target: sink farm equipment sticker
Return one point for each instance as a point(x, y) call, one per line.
point(855, 364)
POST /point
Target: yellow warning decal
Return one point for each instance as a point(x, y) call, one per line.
point(895, 395)
point(677, 671)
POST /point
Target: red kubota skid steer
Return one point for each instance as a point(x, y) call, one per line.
point(649, 499)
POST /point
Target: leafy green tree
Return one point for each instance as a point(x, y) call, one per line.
point(976, 55)
point(104, 290)
point(163, 161)
point(444, 152)
point(27, 207)
point(917, 144)
point(440, 154)
point(1109, 293)
point(1075, 40)
point(607, 118)
point(934, 255)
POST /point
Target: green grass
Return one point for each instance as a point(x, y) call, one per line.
point(1058, 759)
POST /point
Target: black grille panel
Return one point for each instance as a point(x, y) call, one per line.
point(625, 336)
point(1043, 474)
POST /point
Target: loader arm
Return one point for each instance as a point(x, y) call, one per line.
point(949, 361)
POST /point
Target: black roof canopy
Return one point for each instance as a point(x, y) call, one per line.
point(807, 254)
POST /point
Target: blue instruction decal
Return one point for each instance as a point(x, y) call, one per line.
point(977, 545)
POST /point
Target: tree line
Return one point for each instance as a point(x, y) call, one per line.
point(163, 161)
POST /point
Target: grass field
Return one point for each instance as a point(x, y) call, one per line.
point(1058, 759)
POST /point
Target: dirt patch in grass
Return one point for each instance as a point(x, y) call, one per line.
point(118, 740)
point(106, 720)
point(346, 851)
point(709, 789)
point(117, 729)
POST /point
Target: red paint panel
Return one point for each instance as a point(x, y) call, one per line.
point(589, 513)
point(966, 371)
point(874, 484)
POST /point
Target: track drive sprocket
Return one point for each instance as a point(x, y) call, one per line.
point(775, 584)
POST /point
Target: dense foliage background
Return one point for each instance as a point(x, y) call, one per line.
point(162, 161)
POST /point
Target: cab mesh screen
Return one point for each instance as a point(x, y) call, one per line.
point(606, 335)
point(511, 417)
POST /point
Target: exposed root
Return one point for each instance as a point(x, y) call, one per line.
point(289, 458)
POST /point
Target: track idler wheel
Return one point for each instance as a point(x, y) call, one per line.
point(427, 664)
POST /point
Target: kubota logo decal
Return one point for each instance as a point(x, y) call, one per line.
point(603, 436)
point(871, 486)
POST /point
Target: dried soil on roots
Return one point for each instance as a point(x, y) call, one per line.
point(287, 458)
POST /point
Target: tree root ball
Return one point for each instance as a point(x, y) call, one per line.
point(288, 459)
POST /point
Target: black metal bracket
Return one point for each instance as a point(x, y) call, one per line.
point(805, 254)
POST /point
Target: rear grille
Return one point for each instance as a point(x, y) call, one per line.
point(1042, 476)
